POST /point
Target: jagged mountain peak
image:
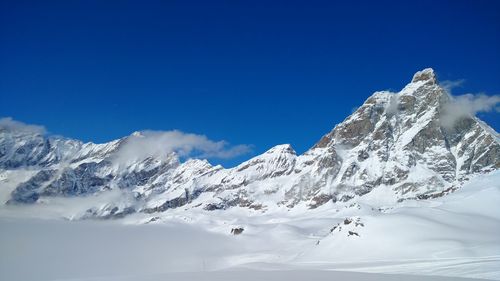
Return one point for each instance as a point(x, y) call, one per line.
point(277, 160)
point(399, 139)
point(427, 75)
point(422, 94)
point(281, 148)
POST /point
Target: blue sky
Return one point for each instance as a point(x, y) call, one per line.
point(248, 72)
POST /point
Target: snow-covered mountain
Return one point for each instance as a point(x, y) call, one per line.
point(407, 184)
point(408, 144)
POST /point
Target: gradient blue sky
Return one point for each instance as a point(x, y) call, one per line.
point(249, 72)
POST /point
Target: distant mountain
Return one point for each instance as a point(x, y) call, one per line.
point(408, 143)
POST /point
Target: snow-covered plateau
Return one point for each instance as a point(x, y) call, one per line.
point(405, 187)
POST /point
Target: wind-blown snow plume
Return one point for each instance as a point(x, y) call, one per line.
point(10, 124)
point(141, 145)
point(467, 105)
point(392, 107)
point(449, 85)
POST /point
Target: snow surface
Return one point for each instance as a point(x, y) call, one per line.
point(455, 236)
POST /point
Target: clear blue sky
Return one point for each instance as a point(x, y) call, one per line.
point(249, 72)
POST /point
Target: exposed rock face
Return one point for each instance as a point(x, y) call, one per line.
point(237, 231)
point(395, 141)
point(400, 141)
point(427, 75)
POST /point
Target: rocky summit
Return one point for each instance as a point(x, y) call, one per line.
point(407, 143)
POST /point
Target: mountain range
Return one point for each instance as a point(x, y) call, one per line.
point(410, 144)
point(407, 184)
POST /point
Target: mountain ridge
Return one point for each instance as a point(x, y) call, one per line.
point(397, 141)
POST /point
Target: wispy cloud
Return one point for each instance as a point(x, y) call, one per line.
point(392, 107)
point(7, 123)
point(449, 85)
point(161, 143)
point(467, 105)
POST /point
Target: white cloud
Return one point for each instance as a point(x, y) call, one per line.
point(449, 85)
point(392, 107)
point(10, 124)
point(467, 105)
point(161, 143)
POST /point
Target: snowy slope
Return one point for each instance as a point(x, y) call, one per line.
point(400, 186)
point(455, 236)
